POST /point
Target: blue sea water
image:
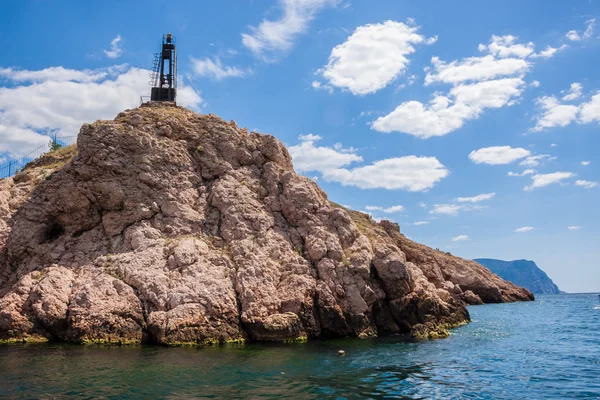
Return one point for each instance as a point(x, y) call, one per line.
point(547, 349)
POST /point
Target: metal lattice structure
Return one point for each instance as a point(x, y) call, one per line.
point(11, 167)
point(164, 77)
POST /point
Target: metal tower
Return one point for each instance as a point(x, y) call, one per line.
point(164, 80)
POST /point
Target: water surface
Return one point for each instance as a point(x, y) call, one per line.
point(547, 349)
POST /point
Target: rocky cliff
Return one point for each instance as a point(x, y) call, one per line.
point(172, 227)
point(523, 273)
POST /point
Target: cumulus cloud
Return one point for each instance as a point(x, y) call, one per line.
point(446, 209)
point(526, 172)
point(310, 137)
point(410, 173)
point(460, 238)
point(534, 161)
point(61, 100)
point(585, 163)
point(586, 184)
point(574, 228)
point(555, 114)
point(372, 57)
point(524, 229)
point(573, 35)
point(576, 36)
point(388, 210)
point(497, 155)
point(574, 92)
point(308, 157)
point(549, 51)
point(444, 114)
point(541, 180)
point(115, 51)
point(215, 69)
point(419, 223)
point(476, 199)
point(271, 37)
point(490, 81)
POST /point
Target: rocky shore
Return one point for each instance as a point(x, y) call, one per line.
point(171, 227)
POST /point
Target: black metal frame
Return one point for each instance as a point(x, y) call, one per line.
point(164, 86)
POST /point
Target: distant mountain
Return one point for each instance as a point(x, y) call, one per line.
point(523, 273)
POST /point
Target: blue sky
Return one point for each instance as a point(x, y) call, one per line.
point(472, 124)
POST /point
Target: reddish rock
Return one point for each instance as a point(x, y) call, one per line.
point(173, 227)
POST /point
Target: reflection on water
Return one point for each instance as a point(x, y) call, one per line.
point(546, 349)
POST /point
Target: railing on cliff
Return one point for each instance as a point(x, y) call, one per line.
point(11, 167)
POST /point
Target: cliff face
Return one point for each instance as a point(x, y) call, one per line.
point(173, 227)
point(523, 273)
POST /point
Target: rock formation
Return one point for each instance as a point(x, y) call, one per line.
point(523, 273)
point(171, 227)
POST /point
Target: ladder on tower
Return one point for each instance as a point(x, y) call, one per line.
point(155, 70)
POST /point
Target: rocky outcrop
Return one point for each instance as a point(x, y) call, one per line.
point(523, 273)
point(175, 228)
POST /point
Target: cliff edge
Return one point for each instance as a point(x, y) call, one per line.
point(171, 227)
point(523, 273)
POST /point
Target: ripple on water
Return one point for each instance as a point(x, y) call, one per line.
point(549, 349)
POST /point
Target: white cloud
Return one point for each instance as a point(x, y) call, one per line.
point(393, 209)
point(535, 84)
point(446, 209)
point(372, 57)
point(549, 51)
point(475, 69)
point(574, 92)
point(431, 40)
point(443, 114)
point(554, 113)
point(589, 30)
point(460, 238)
point(586, 184)
point(585, 163)
point(273, 36)
point(491, 81)
point(308, 157)
point(553, 145)
point(590, 111)
point(541, 180)
point(476, 199)
point(505, 46)
point(59, 74)
point(47, 100)
point(409, 173)
point(573, 36)
point(389, 210)
point(526, 172)
point(419, 223)
point(422, 205)
point(497, 155)
point(534, 161)
point(309, 138)
point(115, 51)
point(215, 69)
point(524, 229)
point(340, 147)
point(574, 228)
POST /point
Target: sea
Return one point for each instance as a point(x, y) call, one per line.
point(546, 349)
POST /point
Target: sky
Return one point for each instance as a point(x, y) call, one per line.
point(474, 125)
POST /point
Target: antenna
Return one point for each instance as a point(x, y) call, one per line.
point(164, 80)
